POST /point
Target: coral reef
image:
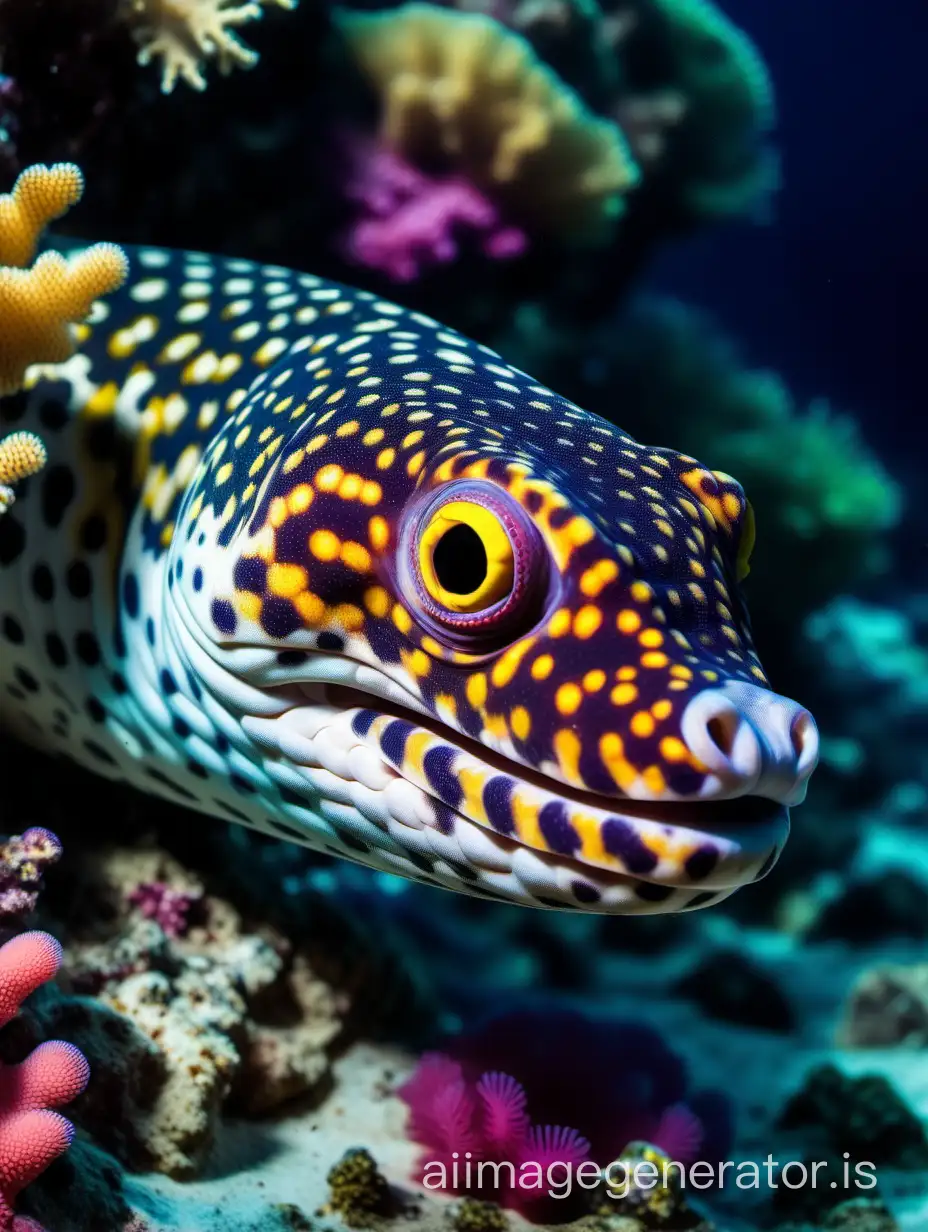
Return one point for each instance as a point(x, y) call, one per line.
point(31, 1135)
point(357, 1189)
point(23, 859)
point(460, 88)
point(21, 454)
point(39, 303)
point(888, 1008)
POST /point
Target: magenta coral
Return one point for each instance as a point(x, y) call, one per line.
point(31, 1135)
point(614, 1082)
point(169, 908)
point(23, 859)
point(411, 220)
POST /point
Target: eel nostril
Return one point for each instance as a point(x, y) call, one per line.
point(803, 735)
point(721, 730)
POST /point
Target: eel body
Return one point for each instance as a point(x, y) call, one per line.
point(317, 564)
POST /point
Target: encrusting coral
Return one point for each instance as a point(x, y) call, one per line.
point(39, 303)
point(31, 1135)
point(460, 88)
point(184, 34)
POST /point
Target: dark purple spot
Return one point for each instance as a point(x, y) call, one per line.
point(444, 819)
point(558, 833)
point(393, 740)
point(650, 893)
point(701, 863)
point(443, 781)
point(250, 574)
point(223, 614)
point(279, 618)
point(198, 579)
point(623, 841)
point(584, 893)
point(702, 899)
point(560, 517)
point(330, 641)
point(497, 800)
point(362, 722)
point(292, 658)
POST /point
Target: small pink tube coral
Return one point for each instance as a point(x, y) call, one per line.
point(31, 1135)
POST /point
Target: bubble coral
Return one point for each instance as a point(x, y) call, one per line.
point(31, 1135)
point(459, 90)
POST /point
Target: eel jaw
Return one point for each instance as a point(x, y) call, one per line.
point(634, 858)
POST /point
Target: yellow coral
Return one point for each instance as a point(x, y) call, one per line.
point(37, 304)
point(183, 34)
point(21, 454)
point(462, 88)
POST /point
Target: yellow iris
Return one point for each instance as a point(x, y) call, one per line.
point(465, 557)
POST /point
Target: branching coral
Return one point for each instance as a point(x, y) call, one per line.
point(31, 1136)
point(38, 304)
point(460, 89)
point(184, 34)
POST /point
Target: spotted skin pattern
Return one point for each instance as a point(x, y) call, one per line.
point(211, 593)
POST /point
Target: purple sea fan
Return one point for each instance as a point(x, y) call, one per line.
point(505, 1119)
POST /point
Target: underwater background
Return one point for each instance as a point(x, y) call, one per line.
point(717, 243)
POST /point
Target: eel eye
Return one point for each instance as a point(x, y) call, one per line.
point(466, 560)
point(475, 560)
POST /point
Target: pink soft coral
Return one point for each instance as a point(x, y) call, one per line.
point(31, 1136)
point(410, 220)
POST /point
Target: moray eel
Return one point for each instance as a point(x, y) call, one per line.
point(314, 563)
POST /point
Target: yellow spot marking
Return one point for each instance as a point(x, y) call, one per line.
point(385, 459)
point(612, 752)
point(568, 698)
point(597, 577)
point(300, 498)
point(373, 436)
point(559, 623)
point(328, 477)
point(349, 428)
point(310, 607)
point(401, 618)
point(179, 349)
point(567, 749)
point(642, 724)
point(269, 351)
point(674, 750)
point(542, 667)
point(416, 463)
point(286, 580)
point(651, 638)
point(377, 601)
point(317, 443)
point(249, 606)
point(293, 461)
point(662, 709)
point(654, 658)
point(371, 493)
point(593, 681)
point(378, 532)
point(356, 557)
point(476, 690)
point(628, 621)
point(224, 473)
point(241, 437)
point(416, 661)
point(623, 694)
point(654, 780)
point(350, 618)
point(505, 668)
point(324, 544)
point(641, 591)
point(587, 621)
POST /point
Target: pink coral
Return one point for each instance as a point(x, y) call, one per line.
point(411, 220)
point(169, 908)
point(31, 1136)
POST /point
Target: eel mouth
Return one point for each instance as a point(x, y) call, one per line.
point(478, 817)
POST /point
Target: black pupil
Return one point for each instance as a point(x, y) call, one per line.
point(460, 560)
